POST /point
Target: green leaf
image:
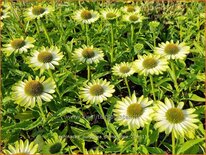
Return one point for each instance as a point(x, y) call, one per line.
point(194, 97)
point(189, 144)
point(34, 124)
point(17, 126)
point(155, 150)
point(79, 143)
point(111, 127)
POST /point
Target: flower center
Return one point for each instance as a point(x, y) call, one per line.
point(34, 88)
point(171, 49)
point(96, 90)
point(45, 57)
point(175, 115)
point(133, 18)
point(38, 10)
point(88, 53)
point(134, 110)
point(124, 69)
point(18, 43)
point(111, 15)
point(130, 9)
point(86, 14)
point(55, 148)
point(149, 63)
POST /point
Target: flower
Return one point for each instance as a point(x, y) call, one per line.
point(172, 50)
point(133, 18)
point(110, 13)
point(173, 119)
point(150, 64)
point(4, 14)
point(88, 54)
point(123, 69)
point(21, 147)
point(131, 9)
point(86, 16)
point(96, 91)
point(94, 152)
point(133, 112)
point(37, 12)
point(45, 58)
point(54, 145)
point(30, 91)
point(18, 45)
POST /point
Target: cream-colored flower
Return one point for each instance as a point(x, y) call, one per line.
point(110, 13)
point(131, 9)
point(96, 91)
point(124, 69)
point(133, 18)
point(45, 58)
point(150, 64)
point(86, 16)
point(133, 112)
point(172, 50)
point(30, 91)
point(173, 119)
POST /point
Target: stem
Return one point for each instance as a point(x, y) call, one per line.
point(173, 143)
point(112, 43)
point(42, 113)
point(173, 75)
point(57, 89)
point(135, 136)
point(87, 36)
point(88, 72)
point(46, 33)
point(154, 39)
point(152, 84)
point(126, 82)
point(132, 36)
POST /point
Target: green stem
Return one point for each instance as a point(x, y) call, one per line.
point(135, 137)
point(173, 143)
point(57, 89)
point(112, 43)
point(42, 114)
point(152, 85)
point(154, 39)
point(87, 36)
point(132, 36)
point(126, 82)
point(46, 33)
point(173, 75)
point(88, 72)
point(102, 114)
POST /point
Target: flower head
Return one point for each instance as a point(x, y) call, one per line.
point(37, 12)
point(173, 119)
point(172, 50)
point(96, 91)
point(123, 69)
point(88, 54)
point(18, 45)
point(45, 58)
point(133, 18)
point(21, 147)
point(54, 145)
point(150, 64)
point(86, 16)
point(30, 91)
point(133, 112)
point(110, 14)
point(131, 9)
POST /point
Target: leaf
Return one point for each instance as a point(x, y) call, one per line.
point(17, 126)
point(194, 97)
point(34, 124)
point(111, 127)
point(189, 144)
point(79, 143)
point(62, 112)
point(155, 150)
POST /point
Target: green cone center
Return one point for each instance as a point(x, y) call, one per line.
point(96, 90)
point(134, 110)
point(86, 14)
point(171, 49)
point(124, 69)
point(149, 63)
point(111, 15)
point(175, 115)
point(130, 9)
point(18, 43)
point(55, 148)
point(88, 53)
point(34, 88)
point(133, 18)
point(38, 10)
point(45, 57)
